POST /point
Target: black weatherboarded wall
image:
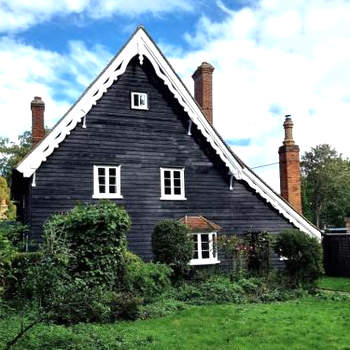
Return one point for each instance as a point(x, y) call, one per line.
point(142, 142)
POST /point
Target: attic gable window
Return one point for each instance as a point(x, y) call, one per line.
point(172, 184)
point(204, 249)
point(139, 100)
point(107, 182)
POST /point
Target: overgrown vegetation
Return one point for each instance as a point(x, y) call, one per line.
point(303, 257)
point(172, 245)
point(84, 273)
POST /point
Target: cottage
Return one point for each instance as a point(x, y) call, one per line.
point(137, 136)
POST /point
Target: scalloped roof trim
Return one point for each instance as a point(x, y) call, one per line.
point(142, 45)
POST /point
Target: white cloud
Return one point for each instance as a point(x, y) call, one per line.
point(26, 72)
point(18, 15)
point(274, 58)
point(293, 55)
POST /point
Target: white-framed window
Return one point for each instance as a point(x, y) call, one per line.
point(204, 249)
point(139, 100)
point(172, 183)
point(107, 182)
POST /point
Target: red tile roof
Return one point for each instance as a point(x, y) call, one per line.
point(199, 224)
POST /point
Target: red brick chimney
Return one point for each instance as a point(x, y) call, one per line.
point(290, 178)
point(203, 89)
point(38, 129)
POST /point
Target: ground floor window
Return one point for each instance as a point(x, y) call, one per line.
point(204, 249)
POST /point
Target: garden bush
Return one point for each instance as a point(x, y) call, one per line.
point(95, 235)
point(258, 252)
point(148, 280)
point(17, 273)
point(303, 254)
point(83, 259)
point(172, 245)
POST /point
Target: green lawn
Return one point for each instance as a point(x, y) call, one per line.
point(335, 283)
point(309, 323)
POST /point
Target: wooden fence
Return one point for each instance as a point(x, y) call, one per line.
point(336, 254)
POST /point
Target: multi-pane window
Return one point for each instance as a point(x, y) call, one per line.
point(107, 182)
point(172, 183)
point(204, 249)
point(139, 100)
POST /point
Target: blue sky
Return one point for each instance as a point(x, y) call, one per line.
point(271, 58)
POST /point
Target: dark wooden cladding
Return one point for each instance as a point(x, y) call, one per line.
point(142, 142)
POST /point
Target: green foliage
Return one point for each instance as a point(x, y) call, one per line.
point(258, 252)
point(161, 308)
point(148, 280)
point(235, 250)
point(172, 245)
point(82, 262)
point(7, 252)
point(15, 232)
point(16, 274)
point(12, 153)
point(325, 186)
point(10, 213)
point(96, 237)
point(303, 264)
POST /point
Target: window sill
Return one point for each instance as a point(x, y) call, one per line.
point(139, 109)
point(204, 262)
point(173, 198)
point(107, 196)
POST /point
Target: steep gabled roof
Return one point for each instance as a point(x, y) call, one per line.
point(142, 45)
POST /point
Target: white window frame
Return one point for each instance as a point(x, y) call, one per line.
point(107, 195)
point(213, 252)
point(137, 93)
point(172, 195)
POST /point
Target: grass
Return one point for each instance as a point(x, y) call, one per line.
point(341, 284)
point(308, 323)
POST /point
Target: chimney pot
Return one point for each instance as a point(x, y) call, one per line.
point(38, 129)
point(203, 89)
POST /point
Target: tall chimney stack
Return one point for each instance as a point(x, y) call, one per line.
point(203, 89)
point(290, 177)
point(38, 129)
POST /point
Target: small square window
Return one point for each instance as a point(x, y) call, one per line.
point(139, 100)
point(172, 184)
point(204, 249)
point(107, 182)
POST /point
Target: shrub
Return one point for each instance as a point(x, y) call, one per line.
point(235, 250)
point(147, 279)
point(17, 273)
point(303, 264)
point(161, 308)
point(7, 252)
point(83, 258)
point(96, 237)
point(172, 245)
point(258, 252)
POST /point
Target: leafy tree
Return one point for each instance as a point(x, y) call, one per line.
point(325, 186)
point(11, 153)
point(5, 194)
